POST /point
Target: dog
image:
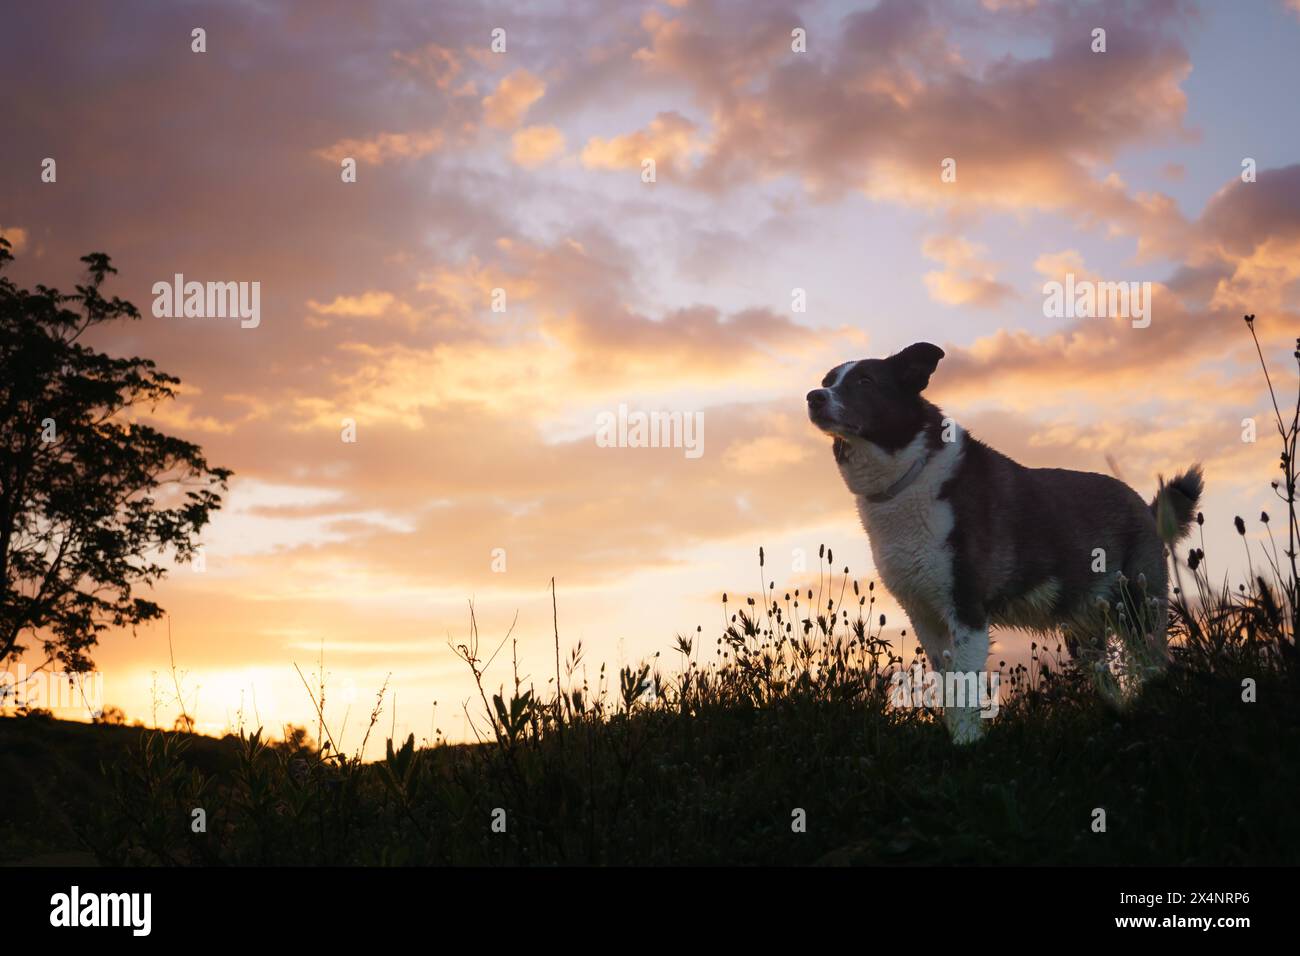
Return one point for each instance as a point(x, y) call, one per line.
point(965, 538)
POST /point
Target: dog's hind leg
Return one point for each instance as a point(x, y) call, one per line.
point(1124, 641)
point(1148, 593)
point(1091, 639)
point(1144, 639)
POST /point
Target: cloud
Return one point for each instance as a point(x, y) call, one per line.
point(876, 107)
point(966, 279)
point(534, 145)
point(668, 140)
point(368, 304)
point(1055, 265)
point(372, 304)
point(432, 62)
point(384, 147)
point(17, 237)
point(766, 453)
point(1243, 253)
point(505, 107)
point(579, 290)
point(568, 340)
point(547, 504)
point(1249, 237)
point(1243, 216)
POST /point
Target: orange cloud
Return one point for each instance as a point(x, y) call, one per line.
point(966, 279)
point(433, 62)
point(372, 304)
point(505, 107)
point(368, 304)
point(534, 145)
point(668, 140)
point(17, 237)
point(384, 147)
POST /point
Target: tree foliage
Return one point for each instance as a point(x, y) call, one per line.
point(94, 504)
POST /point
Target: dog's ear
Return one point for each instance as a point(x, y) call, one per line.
point(915, 364)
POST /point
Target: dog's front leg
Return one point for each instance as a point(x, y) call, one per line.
point(957, 654)
point(934, 639)
point(967, 688)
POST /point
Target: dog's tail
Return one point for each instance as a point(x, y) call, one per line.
point(1174, 505)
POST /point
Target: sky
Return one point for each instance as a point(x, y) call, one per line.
point(501, 274)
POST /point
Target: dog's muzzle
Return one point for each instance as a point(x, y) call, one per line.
point(819, 408)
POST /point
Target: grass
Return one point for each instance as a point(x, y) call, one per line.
point(714, 765)
point(776, 743)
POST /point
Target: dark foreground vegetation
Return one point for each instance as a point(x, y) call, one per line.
point(714, 765)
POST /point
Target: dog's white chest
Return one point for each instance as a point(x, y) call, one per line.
point(909, 533)
point(909, 542)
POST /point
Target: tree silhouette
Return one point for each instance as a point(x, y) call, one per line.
point(90, 501)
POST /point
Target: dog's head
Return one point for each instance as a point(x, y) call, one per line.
point(877, 400)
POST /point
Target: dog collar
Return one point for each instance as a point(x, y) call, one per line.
point(897, 487)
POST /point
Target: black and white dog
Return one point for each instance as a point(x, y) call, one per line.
point(965, 538)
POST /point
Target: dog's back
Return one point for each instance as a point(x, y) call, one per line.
point(1037, 548)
